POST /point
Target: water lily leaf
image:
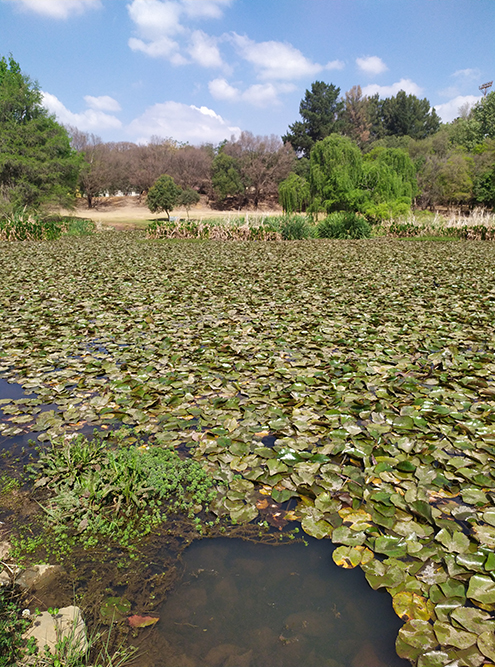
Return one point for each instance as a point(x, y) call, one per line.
point(486, 644)
point(482, 589)
point(314, 528)
point(391, 546)
point(408, 605)
point(418, 634)
point(444, 608)
point(244, 514)
point(359, 519)
point(326, 503)
point(474, 496)
point(344, 535)
point(489, 517)
point(456, 542)
point(485, 534)
point(434, 659)
point(114, 608)
point(453, 588)
point(142, 621)
point(472, 561)
point(346, 557)
point(474, 620)
point(449, 636)
point(407, 651)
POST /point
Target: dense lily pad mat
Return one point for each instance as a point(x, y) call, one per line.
point(354, 377)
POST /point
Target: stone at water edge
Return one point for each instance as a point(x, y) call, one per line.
point(48, 630)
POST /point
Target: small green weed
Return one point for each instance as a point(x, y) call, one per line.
point(120, 493)
point(343, 225)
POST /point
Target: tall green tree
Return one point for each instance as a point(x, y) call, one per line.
point(402, 115)
point(320, 110)
point(37, 164)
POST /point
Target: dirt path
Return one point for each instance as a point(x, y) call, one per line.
point(132, 213)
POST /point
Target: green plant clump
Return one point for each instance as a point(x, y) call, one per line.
point(120, 494)
point(12, 627)
point(343, 225)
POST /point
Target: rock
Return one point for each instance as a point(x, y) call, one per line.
point(243, 660)
point(367, 657)
point(219, 655)
point(35, 574)
point(50, 629)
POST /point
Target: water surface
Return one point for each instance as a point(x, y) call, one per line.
point(241, 604)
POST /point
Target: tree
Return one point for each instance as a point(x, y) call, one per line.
point(37, 164)
point(335, 175)
point(97, 171)
point(379, 185)
point(408, 115)
point(356, 123)
point(226, 179)
point(263, 162)
point(188, 198)
point(294, 193)
point(163, 195)
point(320, 110)
point(470, 131)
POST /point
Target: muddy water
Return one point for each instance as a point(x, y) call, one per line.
point(248, 605)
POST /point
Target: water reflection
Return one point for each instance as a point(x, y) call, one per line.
point(249, 605)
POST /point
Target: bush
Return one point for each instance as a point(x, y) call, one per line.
point(343, 225)
point(295, 228)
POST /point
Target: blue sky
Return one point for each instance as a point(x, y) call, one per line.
point(202, 70)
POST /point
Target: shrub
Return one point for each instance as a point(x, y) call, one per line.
point(343, 225)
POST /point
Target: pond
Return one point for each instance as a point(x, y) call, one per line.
point(251, 605)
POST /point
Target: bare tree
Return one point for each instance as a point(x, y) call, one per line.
point(264, 162)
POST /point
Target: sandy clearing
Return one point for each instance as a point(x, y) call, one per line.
point(131, 212)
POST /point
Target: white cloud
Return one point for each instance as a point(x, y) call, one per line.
point(159, 23)
point(335, 64)
point(57, 9)
point(406, 85)
point(182, 122)
point(467, 73)
point(220, 89)
point(275, 60)
point(90, 120)
point(371, 65)
point(450, 110)
point(258, 95)
point(102, 103)
point(203, 49)
point(211, 9)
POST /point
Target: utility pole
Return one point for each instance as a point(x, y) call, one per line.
point(485, 87)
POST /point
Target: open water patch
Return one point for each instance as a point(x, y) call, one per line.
point(241, 603)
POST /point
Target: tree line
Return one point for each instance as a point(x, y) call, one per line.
point(377, 156)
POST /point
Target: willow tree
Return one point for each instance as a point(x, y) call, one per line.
point(294, 193)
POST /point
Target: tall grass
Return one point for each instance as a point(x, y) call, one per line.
point(24, 225)
point(480, 225)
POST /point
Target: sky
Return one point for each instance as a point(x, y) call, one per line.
point(201, 71)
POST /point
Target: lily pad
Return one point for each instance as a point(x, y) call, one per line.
point(114, 609)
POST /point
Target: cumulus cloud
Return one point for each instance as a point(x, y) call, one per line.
point(203, 49)
point(89, 120)
point(102, 103)
point(406, 85)
point(450, 110)
point(159, 23)
point(275, 60)
point(220, 89)
point(371, 65)
point(258, 95)
point(57, 9)
point(183, 122)
point(335, 64)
